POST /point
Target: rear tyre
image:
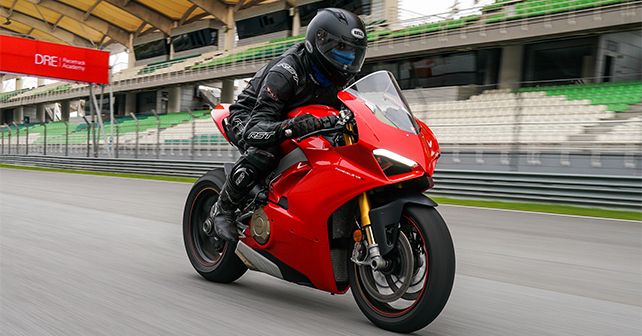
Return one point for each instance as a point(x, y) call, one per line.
point(431, 281)
point(212, 259)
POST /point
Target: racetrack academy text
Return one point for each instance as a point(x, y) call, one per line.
point(60, 62)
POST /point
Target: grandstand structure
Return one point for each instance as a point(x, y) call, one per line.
point(537, 76)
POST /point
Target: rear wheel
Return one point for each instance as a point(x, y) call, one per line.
point(215, 260)
point(412, 291)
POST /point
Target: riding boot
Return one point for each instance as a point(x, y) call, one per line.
point(223, 213)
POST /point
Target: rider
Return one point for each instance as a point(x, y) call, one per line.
point(310, 72)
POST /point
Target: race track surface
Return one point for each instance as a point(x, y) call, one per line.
point(89, 255)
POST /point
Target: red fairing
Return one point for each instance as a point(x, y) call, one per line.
point(219, 113)
point(331, 177)
point(431, 146)
point(423, 149)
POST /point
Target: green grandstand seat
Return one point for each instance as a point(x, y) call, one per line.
point(151, 67)
point(532, 8)
point(497, 17)
point(378, 34)
point(5, 96)
point(617, 96)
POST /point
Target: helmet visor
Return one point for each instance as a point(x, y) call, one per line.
point(345, 56)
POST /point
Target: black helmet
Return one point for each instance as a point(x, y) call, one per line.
point(336, 42)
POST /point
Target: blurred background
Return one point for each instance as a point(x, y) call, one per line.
point(532, 86)
point(535, 101)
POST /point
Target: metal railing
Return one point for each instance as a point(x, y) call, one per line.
point(619, 192)
point(496, 123)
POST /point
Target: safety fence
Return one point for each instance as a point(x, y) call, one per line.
point(591, 128)
point(621, 192)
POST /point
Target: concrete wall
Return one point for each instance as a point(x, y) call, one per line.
point(227, 91)
point(439, 94)
point(29, 110)
point(195, 51)
point(383, 10)
point(180, 99)
point(626, 50)
point(187, 98)
point(263, 38)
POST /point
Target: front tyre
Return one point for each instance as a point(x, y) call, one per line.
point(214, 260)
point(431, 279)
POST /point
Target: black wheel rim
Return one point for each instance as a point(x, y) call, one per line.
point(208, 250)
point(419, 281)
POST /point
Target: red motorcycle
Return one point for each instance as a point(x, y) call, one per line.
point(343, 209)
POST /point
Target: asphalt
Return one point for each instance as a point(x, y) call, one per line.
point(89, 255)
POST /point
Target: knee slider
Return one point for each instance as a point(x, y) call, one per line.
point(243, 177)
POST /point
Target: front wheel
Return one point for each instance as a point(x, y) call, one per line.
point(413, 290)
point(214, 260)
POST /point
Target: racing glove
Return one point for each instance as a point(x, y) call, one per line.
point(304, 124)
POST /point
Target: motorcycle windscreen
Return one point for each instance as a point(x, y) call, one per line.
point(384, 119)
point(383, 97)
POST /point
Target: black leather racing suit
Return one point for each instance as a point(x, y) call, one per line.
point(279, 87)
point(284, 84)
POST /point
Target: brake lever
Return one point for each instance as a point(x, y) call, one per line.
point(321, 131)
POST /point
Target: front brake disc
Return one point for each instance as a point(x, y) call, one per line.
point(405, 275)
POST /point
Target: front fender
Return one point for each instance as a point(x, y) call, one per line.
point(389, 215)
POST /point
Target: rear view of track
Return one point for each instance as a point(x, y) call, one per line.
point(87, 255)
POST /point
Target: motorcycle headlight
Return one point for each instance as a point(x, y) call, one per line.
point(392, 163)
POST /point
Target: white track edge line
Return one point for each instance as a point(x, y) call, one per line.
point(542, 213)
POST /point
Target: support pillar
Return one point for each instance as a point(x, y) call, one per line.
point(230, 31)
point(2, 76)
point(41, 82)
point(390, 11)
point(130, 103)
point(174, 99)
point(65, 108)
point(131, 57)
point(41, 113)
point(161, 102)
point(227, 91)
point(510, 69)
point(19, 83)
point(18, 114)
point(296, 22)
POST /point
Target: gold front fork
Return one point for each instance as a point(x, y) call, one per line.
point(364, 208)
point(364, 203)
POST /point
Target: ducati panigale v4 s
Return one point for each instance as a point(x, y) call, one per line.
point(343, 210)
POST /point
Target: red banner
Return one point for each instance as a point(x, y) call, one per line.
point(44, 59)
